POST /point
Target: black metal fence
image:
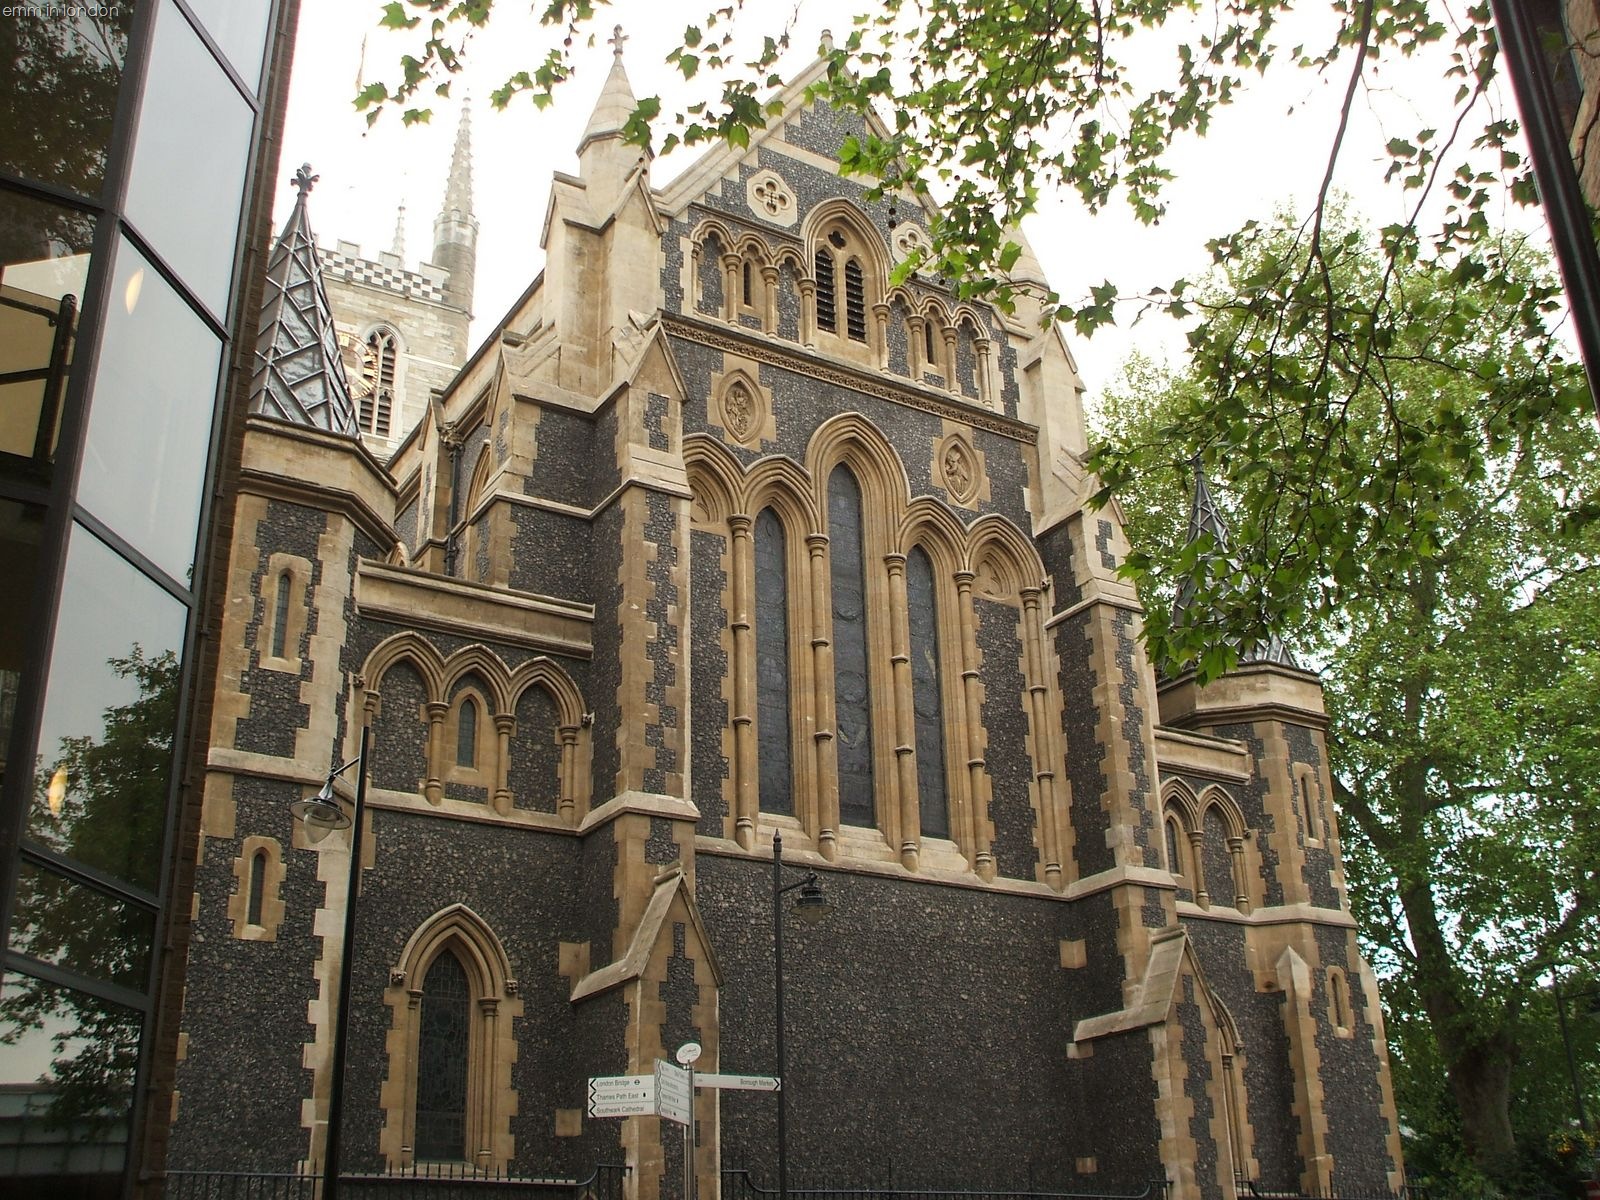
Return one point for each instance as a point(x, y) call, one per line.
point(739, 1185)
point(428, 1181)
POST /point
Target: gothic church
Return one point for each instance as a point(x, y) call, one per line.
point(717, 537)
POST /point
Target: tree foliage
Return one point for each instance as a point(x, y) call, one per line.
point(987, 106)
point(1459, 622)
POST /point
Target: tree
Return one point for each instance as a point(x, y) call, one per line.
point(1465, 743)
point(991, 104)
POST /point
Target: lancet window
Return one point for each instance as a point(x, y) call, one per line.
point(852, 698)
point(927, 704)
point(772, 667)
point(443, 1037)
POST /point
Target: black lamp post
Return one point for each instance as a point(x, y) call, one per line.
point(1592, 994)
point(811, 906)
point(322, 816)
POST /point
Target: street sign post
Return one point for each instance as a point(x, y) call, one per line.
point(738, 1083)
point(672, 1092)
point(622, 1096)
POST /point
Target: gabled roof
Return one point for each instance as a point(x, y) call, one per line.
point(299, 374)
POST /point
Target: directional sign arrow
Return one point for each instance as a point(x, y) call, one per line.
point(622, 1095)
point(622, 1108)
point(738, 1083)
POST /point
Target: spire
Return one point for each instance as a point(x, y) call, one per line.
point(616, 103)
point(455, 229)
point(1206, 518)
point(299, 371)
point(458, 191)
point(399, 247)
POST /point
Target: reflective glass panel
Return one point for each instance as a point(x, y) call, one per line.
point(189, 159)
point(81, 929)
point(44, 267)
point(67, 1076)
point(105, 747)
point(63, 65)
point(150, 416)
point(20, 525)
point(240, 28)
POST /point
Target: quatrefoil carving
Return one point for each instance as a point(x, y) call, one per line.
point(772, 199)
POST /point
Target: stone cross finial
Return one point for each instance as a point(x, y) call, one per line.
point(304, 179)
point(616, 40)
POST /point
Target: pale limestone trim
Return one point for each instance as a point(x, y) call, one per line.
point(1221, 759)
point(1305, 1061)
point(492, 1047)
point(1153, 997)
point(632, 963)
point(649, 803)
point(419, 599)
point(266, 855)
point(297, 571)
point(1279, 914)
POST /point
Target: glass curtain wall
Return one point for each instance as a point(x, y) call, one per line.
point(127, 136)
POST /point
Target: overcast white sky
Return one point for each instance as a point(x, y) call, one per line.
point(1267, 150)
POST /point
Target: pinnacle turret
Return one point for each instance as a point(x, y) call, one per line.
point(1206, 518)
point(299, 374)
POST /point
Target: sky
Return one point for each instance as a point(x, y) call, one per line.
point(1267, 150)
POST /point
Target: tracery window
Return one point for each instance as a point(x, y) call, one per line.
point(377, 406)
point(443, 1038)
point(827, 301)
point(773, 730)
point(852, 701)
point(927, 705)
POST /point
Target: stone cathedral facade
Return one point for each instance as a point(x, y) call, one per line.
point(719, 536)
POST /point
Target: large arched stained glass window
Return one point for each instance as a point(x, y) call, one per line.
point(922, 611)
point(772, 667)
point(442, 1049)
point(852, 708)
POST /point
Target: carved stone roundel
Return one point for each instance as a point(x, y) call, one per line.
point(743, 411)
point(772, 199)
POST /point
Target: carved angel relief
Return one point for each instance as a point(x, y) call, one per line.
point(742, 411)
point(959, 469)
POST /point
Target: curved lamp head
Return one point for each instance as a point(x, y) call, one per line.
point(320, 814)
point(812, 905)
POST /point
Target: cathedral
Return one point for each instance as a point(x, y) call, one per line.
point(722, 536)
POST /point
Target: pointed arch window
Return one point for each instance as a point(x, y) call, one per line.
point(748, 292)
point(467, 733)
point(855, 300)
point(773, 727)
point(827, 299)
point(280, 615)
point(1175, 839)
point(1305, 793)
point(377, 406)
point(852, 702)
point(926, 702)
point(443, 1050)
point(930, 358)
point(258, 888)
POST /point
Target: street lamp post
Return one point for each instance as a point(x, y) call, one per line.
point(811, 906)
point(322, 816)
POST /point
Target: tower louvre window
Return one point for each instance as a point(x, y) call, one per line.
point(377, 407)
point(827, 316)
point(855, 300)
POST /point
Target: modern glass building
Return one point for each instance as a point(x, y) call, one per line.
point(136, 147)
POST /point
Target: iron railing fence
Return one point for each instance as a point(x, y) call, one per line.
point(424, 1181)
point(739, 1184)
